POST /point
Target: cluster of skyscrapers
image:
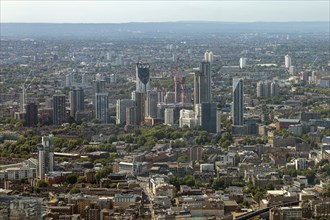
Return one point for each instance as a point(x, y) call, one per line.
point(178, 108)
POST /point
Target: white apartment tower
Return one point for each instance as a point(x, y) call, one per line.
point(287, 61)
point(45, 156)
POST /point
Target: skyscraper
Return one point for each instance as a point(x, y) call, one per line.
point(287, 61)
point(31, 115)
point(142, 77)
point(76, 101)
point(101, 107)
point(59, 109)
point(208, 56)
point(237, 107)
point(151, 104)
point(139, 98)
point(208, 117)
point(45, 156)
point(202, 83)
point(99, 86)
point(242, 62)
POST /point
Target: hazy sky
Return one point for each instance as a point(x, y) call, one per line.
point(107, 11)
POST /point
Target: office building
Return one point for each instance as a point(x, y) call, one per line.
point(219, 121)
point(45, 156)
point(151, 104)
point(142, 77)
point(242, 62)
point(31, 115)
point(237, 106)
point(121, 106)
point(101, 107)
point(59, 114)
point(287, 61)
point(76, 101)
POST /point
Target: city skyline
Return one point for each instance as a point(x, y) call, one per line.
point(148, 11)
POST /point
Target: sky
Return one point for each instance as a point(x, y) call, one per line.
point(122, 11)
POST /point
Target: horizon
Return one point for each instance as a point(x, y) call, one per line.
point(160, 22)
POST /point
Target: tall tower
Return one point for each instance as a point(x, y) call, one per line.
point(142, 77)
point(31, 115)
point(45, 156)
point(208, 56)
point(58, 109)
point(101, 107)
point(242, 62)
point(151, 104)
point(287, 61)
point(99, 86)
point(237, 107)
point(202, 83)
point(76, 101)
point(139, 98)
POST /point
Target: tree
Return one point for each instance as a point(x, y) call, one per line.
point(112, 138)
point(71, 178)
point(104, 172)
point(41, 184)
point(182, 159)
point(74, 191)
point(310, 175)
point(81, 179)
point(189, 180)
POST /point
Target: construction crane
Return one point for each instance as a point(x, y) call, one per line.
point(310, 67)
point(25, 87)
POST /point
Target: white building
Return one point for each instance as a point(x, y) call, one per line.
point(287, 61)
point(208, 56)
point(169, 116)
point(45, 156)
point(187, 117)
point(242, 62)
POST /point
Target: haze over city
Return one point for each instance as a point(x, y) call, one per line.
point(162, 11)
point(164, 110)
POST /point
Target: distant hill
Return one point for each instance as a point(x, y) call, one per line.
point(127, 30)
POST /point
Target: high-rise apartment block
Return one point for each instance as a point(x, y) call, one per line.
point(142, 77)
point(31, 115)
point(237, 107)
point(242, 62)
point(59, 114)
point(287, 61)
point(101, 107)
point(76, 101)
point(151, 104)
point(208, 56)
point(139, 98)
point(45, 156)
point(267, 89)
point(202, 83)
